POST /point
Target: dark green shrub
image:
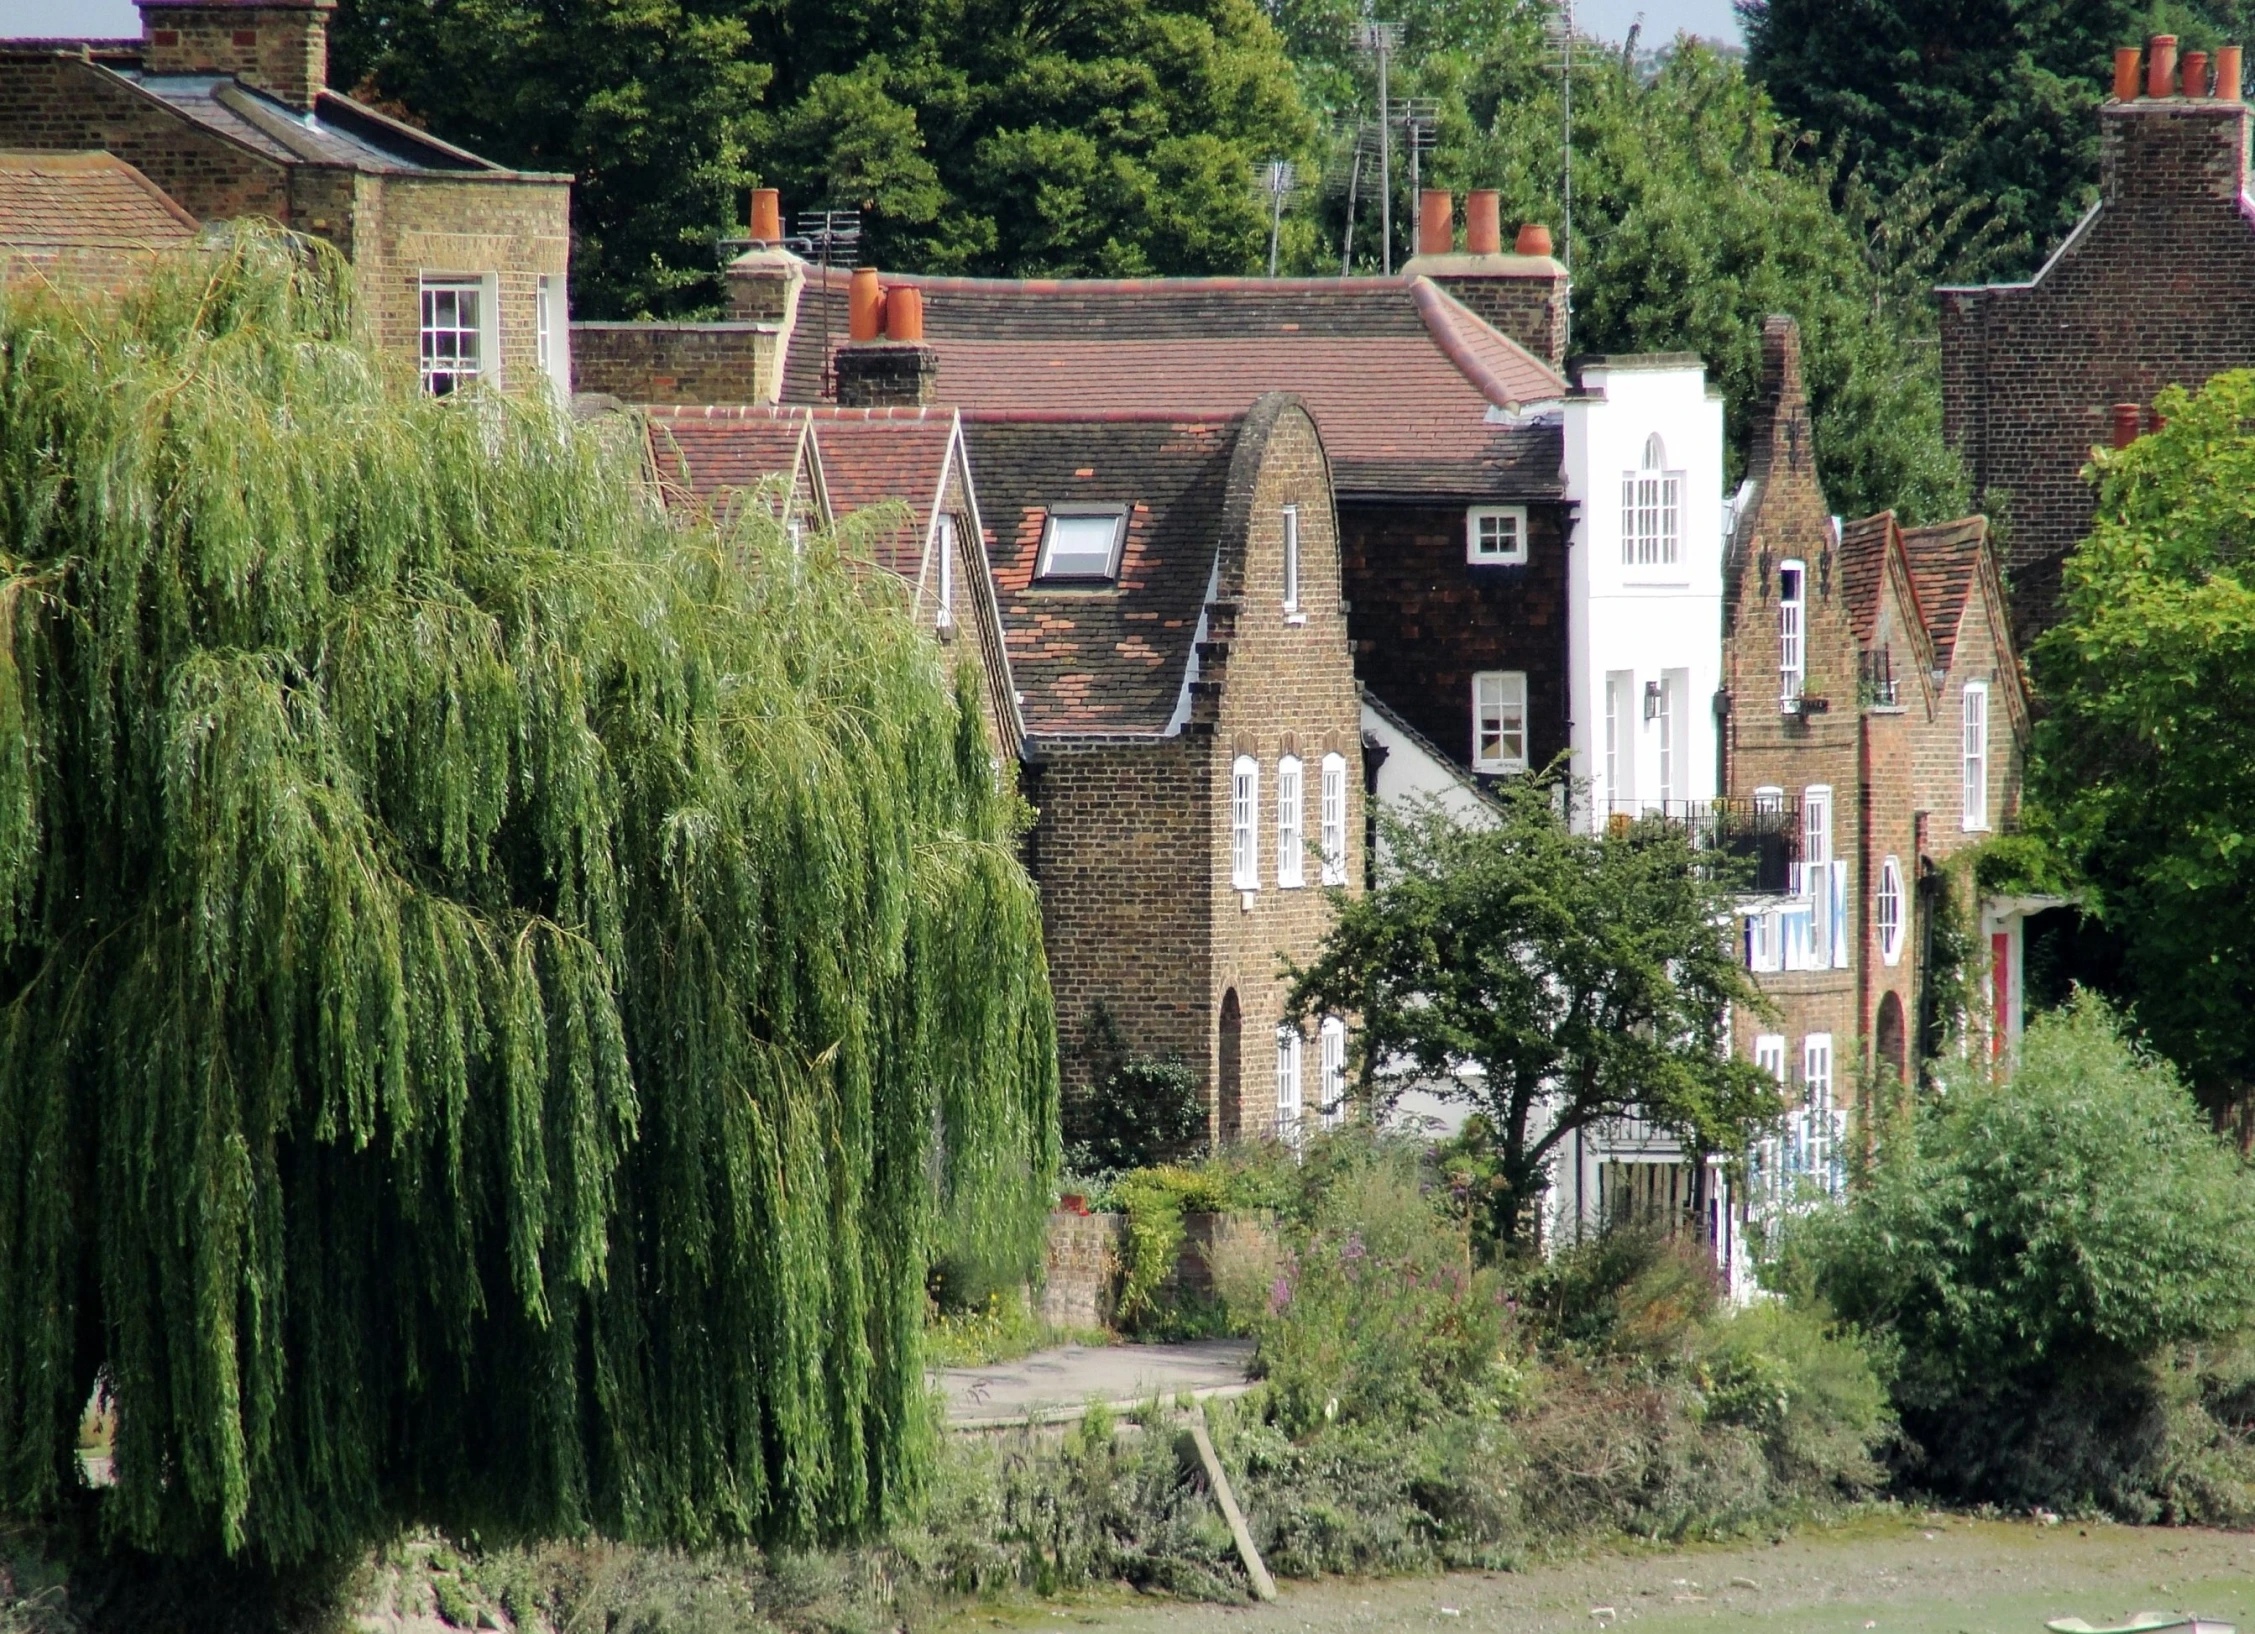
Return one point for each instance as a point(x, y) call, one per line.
point(2044, 1250)
point(1136, 1110)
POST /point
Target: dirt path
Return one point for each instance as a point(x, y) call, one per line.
point(1896, 1574)
point(1051, 1385)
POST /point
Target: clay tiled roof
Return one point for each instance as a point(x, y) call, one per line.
point(712, 455)
point(1944, 559)
point(93, 200)
point(1412, 392)
point(873, 456)
point(1864, 548)
point(1111, 659)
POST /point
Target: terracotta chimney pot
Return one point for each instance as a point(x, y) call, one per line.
point(865, 306)
point(767, 215)
point(2129, 420)
point(2194, 75)
point(2126, 66)
point(1483, 221)
point(1436, 222)
point(1533, 239)
point(2227, 73)
point(2161, 65)
point(904, 313)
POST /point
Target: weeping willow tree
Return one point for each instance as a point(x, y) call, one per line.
point(503, 996)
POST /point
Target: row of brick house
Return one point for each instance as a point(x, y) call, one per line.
point(1238, 558)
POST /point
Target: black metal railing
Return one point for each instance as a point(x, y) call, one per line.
point(1875, 680)
point(1764, 833)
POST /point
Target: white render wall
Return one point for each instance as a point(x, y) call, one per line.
point(1650, 623)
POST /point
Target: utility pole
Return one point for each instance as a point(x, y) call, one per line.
point(1347, 238)
point(1380, 39)
point(1565, 26)
point(1276, 181)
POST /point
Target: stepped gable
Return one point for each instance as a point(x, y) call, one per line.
point(1115, 658)
point(1412, 391)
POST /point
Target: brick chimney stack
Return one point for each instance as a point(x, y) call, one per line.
point(2179, 141)
point(885, 363)
point(280, 47)
point(1522, 293)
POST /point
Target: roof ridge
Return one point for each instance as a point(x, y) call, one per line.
point(1441, 312)
point(842, 277)
point(1004, 416)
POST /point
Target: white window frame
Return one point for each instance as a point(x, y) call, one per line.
point(1334, 818)
point(1652, 510)
point(1670, 750)
point(1245, 823)
point(1499, 696)
point(1816, 838)
point(1288, 1082)
point(1620, 744)
point(1769, 1055)
point(943, 600)
point(1792, 630)
point(1291, 821)
point(1045, 573)
point(1975, 745)
point(1485, 531)
point(1817, 1127)
point(1291, 558)
point(1332, 1072)
point(482, 330)
point(1887, 911)
point(552, 332)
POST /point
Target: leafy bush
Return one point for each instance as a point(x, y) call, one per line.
point(1154, 1201)
point(2048, 1252)
point(1137, 1109)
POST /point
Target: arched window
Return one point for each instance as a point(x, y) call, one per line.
point(1244, 824)
point(1652, 510)
point(1291, 836)
point(1889, 910)
point(1334, 819)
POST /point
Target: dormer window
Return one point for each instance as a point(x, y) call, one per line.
point(1495, 535)
point(1652, 510)
point(1080, 544)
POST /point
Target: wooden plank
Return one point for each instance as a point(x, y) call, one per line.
point(1263, 1585)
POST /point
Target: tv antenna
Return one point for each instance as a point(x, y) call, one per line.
point(1345, 175)
point(1380, 40)
point(1421, 133)
point(1276, 178)
point(829, 238)
point(1561, 28)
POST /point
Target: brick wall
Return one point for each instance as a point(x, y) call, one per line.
point(283, 50)
point(2157, 288)
point(1081, 1270)
point(1762, 745)
point(51, 104)
point(518, 231)
point(1425, 621)
point(675, 362)
point(1288, 688)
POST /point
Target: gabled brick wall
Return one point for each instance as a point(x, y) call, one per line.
point(2155, 287)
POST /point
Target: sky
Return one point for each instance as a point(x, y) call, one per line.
point(1609, 19)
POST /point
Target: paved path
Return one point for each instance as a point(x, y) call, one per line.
point(1051, 1386)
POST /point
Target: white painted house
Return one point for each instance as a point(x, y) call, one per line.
point(1643, 460)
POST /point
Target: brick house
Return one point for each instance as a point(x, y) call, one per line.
point(1169, 587)
point(2155, 286)
point(83, 219)
point(898, 480)
point(1464, 460)
point(1876, 725)
point(223, 106)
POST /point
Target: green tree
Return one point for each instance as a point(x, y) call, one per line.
point(2144, 755)
point(1548, 979)
point(650, 104)
point(980, 136)
point(2035, 1247)
point(502, 997)
point(2000, 95)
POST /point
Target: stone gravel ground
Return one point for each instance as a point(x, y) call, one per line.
point(1893, 1572)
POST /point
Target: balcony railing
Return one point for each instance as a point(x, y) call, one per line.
point(1875, 680)
point(1765, 834)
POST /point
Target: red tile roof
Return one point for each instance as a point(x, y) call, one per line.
point(93, 200)
point(1944, 559)
point(1111, 658)
point(717, 456)
point(1400, 377)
